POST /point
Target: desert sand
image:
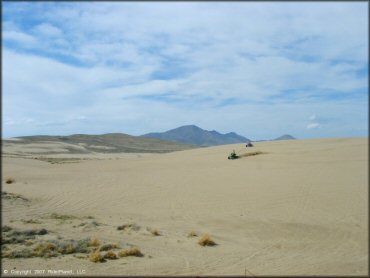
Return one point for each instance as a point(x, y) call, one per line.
point(299, 208)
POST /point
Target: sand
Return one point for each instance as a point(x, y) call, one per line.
point(299, 208)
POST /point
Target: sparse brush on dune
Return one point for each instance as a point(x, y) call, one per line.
point(94, 242)
point(133, 251)
point(9, 180)
point(45, 250)
point(206, 240)
point(107, 247)
point(110, 255)
point(96, 257)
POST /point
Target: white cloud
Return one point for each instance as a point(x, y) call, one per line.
point(46, 29)
point(313, 125)
point(20, 37)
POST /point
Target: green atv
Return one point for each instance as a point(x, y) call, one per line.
point(233, 155)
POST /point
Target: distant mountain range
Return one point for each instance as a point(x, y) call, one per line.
point(181, 138)
point(194, 135)
point(285, 137)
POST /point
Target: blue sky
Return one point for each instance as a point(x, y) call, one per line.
point(259, 69)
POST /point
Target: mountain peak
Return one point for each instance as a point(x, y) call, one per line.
point(285, 137)
point(192, 134)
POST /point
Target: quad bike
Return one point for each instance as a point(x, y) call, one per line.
point(233, 155)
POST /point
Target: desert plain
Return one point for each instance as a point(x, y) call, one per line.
point(298, 207)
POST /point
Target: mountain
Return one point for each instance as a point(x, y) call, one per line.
point(106, 143)
point(191, 134)
point(285, 137)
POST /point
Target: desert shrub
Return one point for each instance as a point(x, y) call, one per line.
point(67, 248)
point(9, 180)
point(131, 226)
point(110, 255)
point(17, 236)
point(206, 240)
point(17, 254)
point(82, 245)
point(107, 247)
point(45, 250)
point(94, 242)
point(32, 232)
point(96, 257)
point(133, 251)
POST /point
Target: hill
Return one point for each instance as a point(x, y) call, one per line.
point(285, 137)
point(194, 135)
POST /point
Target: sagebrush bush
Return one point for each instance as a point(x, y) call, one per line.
point(107, 247)
point(206, 240)
point(9, 180)
point(133, 251)
point(94, 242)
point(96, 257)
point(110, 255)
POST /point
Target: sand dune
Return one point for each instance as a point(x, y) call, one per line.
point(299, 208)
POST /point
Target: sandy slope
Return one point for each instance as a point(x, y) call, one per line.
point(301, 208)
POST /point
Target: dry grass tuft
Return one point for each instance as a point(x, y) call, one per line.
point(133, 251)
point(9, 180)
point(96, 257)
point(45, 250)
point(94, 242)
point(206, 240)
point(192, 234)
point(67, 249)
point(110, 255)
